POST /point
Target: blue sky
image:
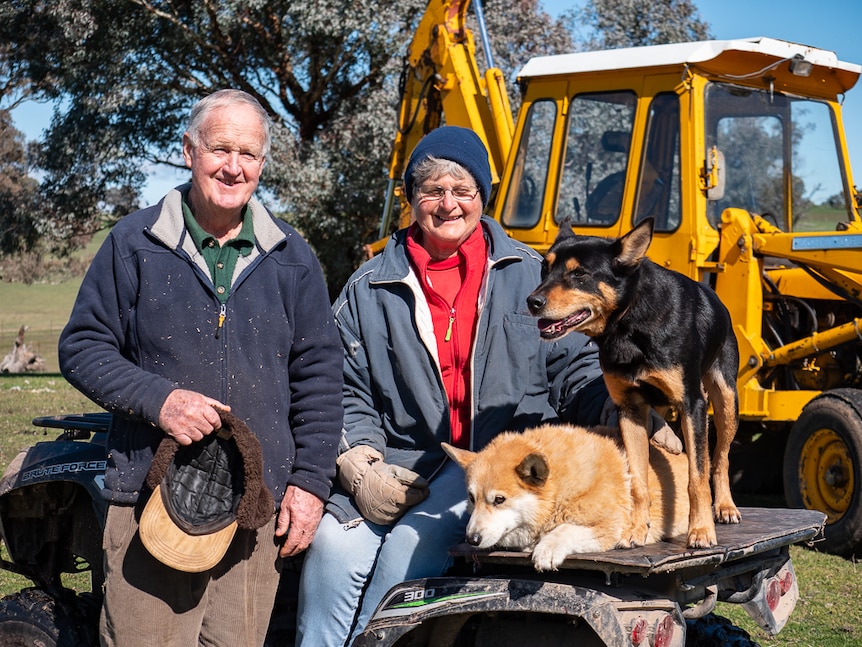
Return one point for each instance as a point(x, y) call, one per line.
point(835, 25)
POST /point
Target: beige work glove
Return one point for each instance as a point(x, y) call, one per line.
point(660, 432)
point(382, 492)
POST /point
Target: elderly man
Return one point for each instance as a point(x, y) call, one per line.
point(207, 301)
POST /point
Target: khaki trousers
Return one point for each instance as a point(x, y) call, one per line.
point(148, 603)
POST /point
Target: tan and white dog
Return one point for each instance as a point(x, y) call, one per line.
point(561, 489)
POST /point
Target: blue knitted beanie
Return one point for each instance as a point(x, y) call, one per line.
point(459, 145)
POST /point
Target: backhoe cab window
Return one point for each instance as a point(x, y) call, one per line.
point(530, 172)
point(659, 194)
point(596, 158)
point(770, 142)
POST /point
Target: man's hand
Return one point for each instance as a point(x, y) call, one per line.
point(188, 416)
point(298, 516)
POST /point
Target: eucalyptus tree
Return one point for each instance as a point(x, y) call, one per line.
point(123, 75)
point(611, 24)
point(17, 191)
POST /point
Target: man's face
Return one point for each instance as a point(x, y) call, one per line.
point(227, 162)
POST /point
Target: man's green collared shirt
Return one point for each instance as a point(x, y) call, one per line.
point(221, 260)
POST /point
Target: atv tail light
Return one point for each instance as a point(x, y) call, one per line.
point(786, 582)
point(663, 635)
point(773, 594)
point(777, 588)
point(639, 631)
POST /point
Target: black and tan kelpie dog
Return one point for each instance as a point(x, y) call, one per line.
point(664, 340)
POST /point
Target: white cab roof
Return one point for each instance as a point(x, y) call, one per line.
point(681, 54)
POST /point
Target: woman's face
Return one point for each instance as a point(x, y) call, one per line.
point(447, 210)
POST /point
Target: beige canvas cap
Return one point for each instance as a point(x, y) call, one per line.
point(176, 548)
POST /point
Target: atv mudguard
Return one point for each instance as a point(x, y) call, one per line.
point(51, 509)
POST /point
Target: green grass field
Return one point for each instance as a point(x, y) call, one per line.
point(44, 309)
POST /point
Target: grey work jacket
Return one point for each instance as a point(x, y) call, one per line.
point(394, 396)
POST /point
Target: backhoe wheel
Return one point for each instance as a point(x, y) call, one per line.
point(31, 618)
point(823, 466)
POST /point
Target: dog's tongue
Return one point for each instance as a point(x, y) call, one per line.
point(550, 328)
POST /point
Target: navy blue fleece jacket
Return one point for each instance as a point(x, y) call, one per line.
point(145, 323)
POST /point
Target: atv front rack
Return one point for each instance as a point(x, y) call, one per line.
point(76, 426)
point(761, 530)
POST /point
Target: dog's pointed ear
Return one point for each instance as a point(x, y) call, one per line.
point(634, 245)
point(566, 230)
point(461, 456)
point(533, 470)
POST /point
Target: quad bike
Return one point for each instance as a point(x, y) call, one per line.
point(660, 595)
point(52, 516)
point(51, 521)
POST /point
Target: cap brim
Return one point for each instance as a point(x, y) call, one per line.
point(175, 548)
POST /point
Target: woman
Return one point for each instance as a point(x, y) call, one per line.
point(438, 346)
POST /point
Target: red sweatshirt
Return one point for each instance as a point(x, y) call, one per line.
point(452, 288)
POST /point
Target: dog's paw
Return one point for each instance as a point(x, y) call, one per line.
point(727, 513)
point(634, 537)
point(629, 542)
point(564, 540)
point(701, 538)
point(552, 550)
point(545, 559)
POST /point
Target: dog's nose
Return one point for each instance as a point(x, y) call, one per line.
point(535, 302)
point(475, 539)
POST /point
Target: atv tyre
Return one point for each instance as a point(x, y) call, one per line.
point(32, 618)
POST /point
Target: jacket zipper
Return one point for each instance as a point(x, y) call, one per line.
point(221, 316)
point(451, 321)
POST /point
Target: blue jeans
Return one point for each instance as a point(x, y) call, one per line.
point(348, 570)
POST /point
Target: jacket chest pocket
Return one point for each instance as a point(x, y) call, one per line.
point(511, 355)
